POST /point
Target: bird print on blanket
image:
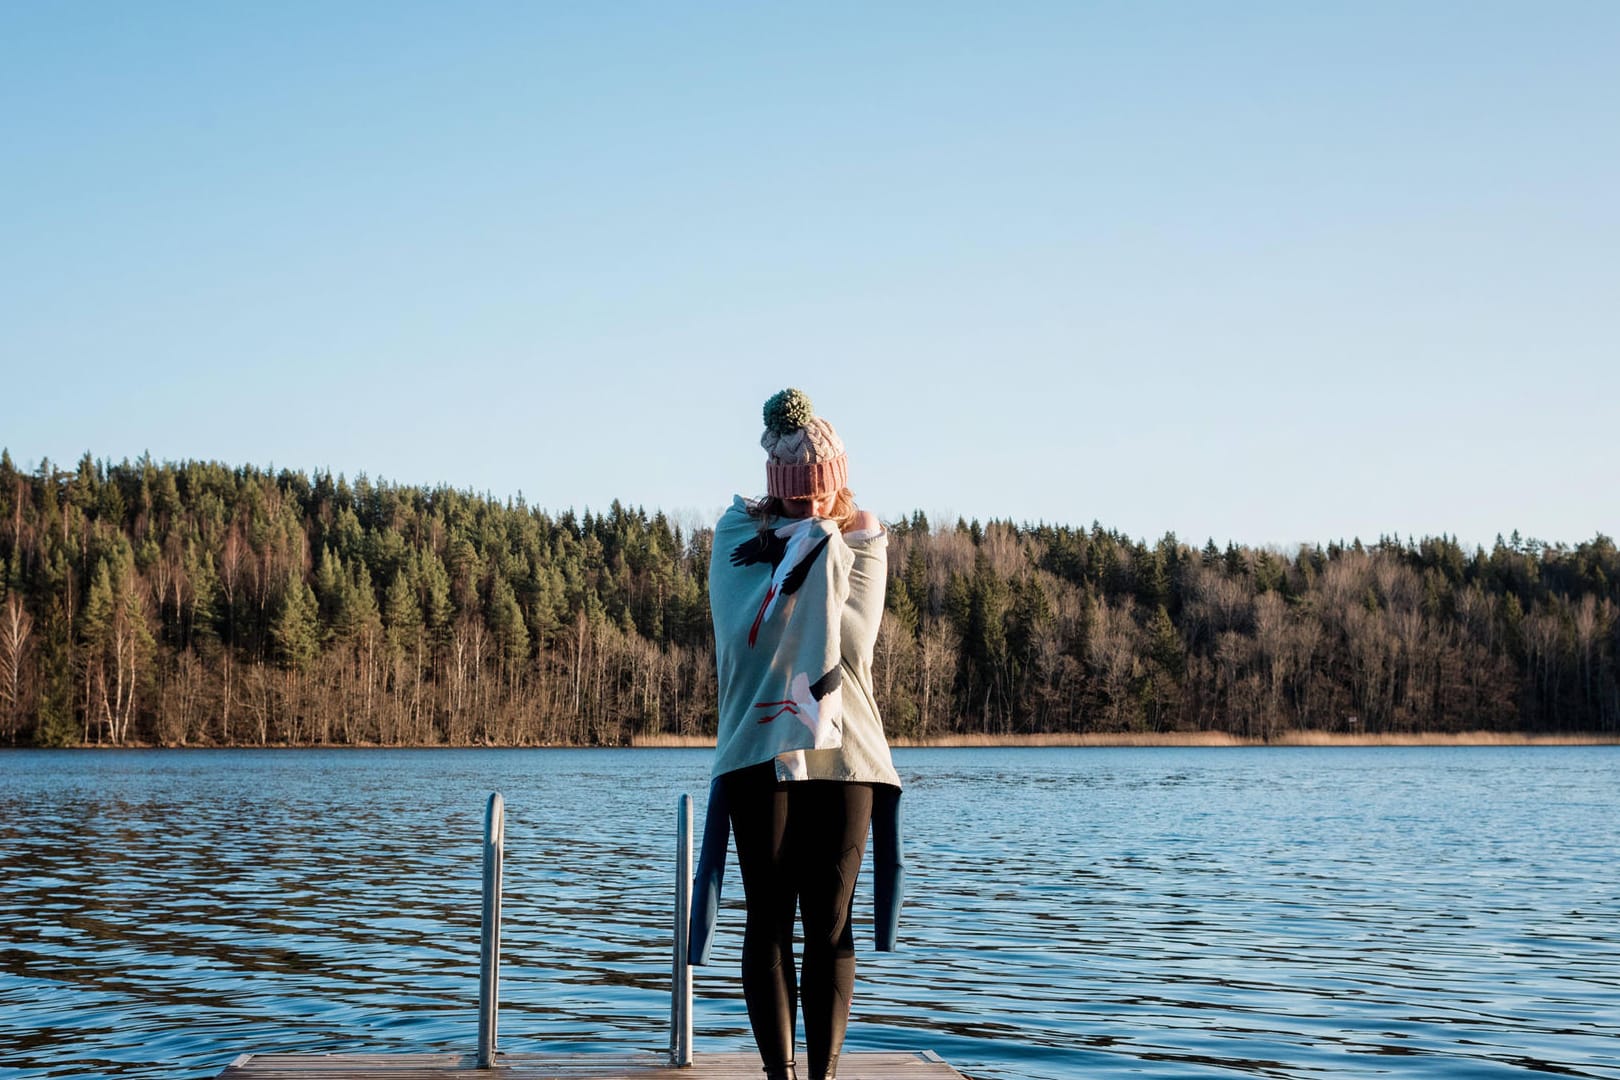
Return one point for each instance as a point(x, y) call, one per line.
point(791, 551)
point(806, 701)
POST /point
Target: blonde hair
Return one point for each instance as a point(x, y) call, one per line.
point(842, 514)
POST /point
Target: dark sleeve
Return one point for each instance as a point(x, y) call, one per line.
point(888, 867)
point(711, 873)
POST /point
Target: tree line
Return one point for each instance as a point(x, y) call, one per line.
point(195, 603)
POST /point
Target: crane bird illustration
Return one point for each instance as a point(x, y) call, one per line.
point(809, 701)
point(791, 551)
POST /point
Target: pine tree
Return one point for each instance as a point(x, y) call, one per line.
point(1236, 564)
point(331, 585)
point(361, 616)
point(95, 630)
point(902, 610)
point(56, 725)
point(1164, 644)
point(203, 592)
point(916, 578)
point(1152, 578)
point(437, 611)
point(296, 628)
point(506, 622)
point(402, 615)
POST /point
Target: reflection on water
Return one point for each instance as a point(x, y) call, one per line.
point(1287, 913)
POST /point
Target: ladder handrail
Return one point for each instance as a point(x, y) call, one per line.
point(680, 1005)
point(489, 954)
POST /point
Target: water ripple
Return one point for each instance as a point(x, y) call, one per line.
point(1292, 913)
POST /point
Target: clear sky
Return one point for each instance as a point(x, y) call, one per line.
point(1266, 272)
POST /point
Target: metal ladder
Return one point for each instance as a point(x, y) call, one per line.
point(489, 958)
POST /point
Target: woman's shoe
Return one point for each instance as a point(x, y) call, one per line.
point(781, 1072)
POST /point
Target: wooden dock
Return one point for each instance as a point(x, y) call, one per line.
point(874, 1065)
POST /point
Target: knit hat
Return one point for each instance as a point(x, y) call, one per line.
point(804, 455)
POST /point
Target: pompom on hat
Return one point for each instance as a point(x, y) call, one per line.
point(804, 455)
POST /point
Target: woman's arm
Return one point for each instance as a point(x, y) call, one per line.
point(868, 577)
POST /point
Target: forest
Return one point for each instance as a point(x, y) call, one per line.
point(200, 604)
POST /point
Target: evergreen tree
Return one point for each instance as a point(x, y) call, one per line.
point(915, 583)
point(402, 616)
point(902, 610)
point(1165, 645)
point(506, 622)
point(437, 611)
point(296, 629)
point(361, 615)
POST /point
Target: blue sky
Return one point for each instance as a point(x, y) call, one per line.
point(1276, 273)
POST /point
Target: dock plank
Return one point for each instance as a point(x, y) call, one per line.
point(876, 1065)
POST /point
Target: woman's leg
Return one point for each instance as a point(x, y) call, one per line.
point(826, 837)
point(759, 817)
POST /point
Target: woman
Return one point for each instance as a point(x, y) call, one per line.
point(796, 585)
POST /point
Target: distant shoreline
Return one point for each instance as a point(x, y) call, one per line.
point(1101, 740)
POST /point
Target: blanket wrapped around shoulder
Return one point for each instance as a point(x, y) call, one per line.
point(781, 599)
point(777, 597)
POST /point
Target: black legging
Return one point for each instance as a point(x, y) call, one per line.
point(798, 842)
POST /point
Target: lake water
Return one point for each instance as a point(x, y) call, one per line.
point(1291, 912)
